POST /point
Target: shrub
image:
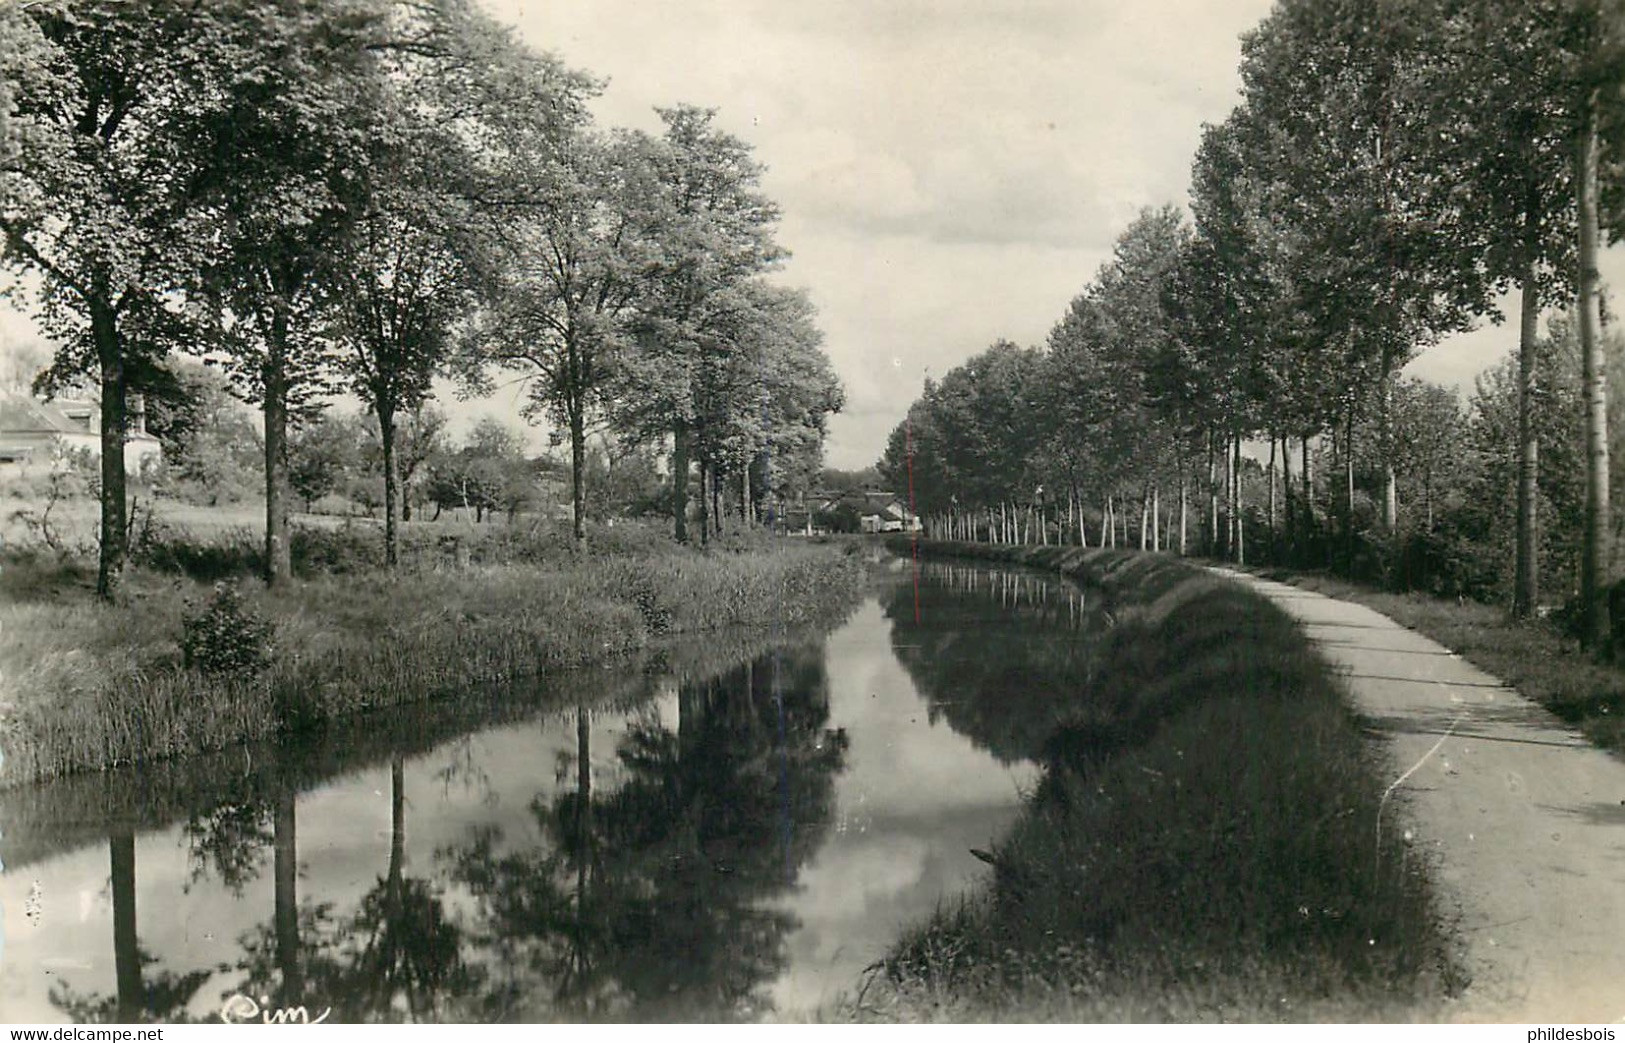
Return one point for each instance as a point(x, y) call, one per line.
point(347, 549)
point(227, 637)
point(218, 556)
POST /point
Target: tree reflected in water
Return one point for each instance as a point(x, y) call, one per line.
point(398, 957)
point(650, 891)
point(990, 648)
point(651, 901)
point(141, 996)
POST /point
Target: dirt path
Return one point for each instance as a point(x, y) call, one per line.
point(1523, 819)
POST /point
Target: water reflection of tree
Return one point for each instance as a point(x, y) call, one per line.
point(651, 901)
point(991, 650)
point(141, 996)
point(397, 957)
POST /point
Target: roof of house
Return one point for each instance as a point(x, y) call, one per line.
point(26, 415)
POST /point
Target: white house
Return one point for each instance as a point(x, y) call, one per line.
point(37, 432)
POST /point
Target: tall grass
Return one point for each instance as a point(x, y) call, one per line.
point(85, 687)
point(1202, 846)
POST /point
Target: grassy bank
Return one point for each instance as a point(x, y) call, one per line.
point(1201, 846)
point(87, 686)
point(1535, 656)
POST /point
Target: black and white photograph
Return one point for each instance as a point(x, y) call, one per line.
point(777, 512)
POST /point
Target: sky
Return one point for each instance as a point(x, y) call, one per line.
point(951, 172)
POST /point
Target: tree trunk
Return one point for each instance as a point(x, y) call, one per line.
point(1594, 555)
point(1228, 550)
point(744, 496)
point(397, 817)
point(1269, 476)
point(705, 501)
point(679, 482)
point(1526, 579)
point(717, 478)
point(1308, 493)
point(1288, 507)
point(115, 533)
point(1237, 521)
point(1184, 506)
point(1385, 446)
point(386, 440)
point(1348, 490)
point(278, 551)
point(285, 913)
point(578, 474)
point(1213, 548)
point(126, 947)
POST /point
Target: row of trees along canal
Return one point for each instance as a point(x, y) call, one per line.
point(358, 195)
point(1393, 172)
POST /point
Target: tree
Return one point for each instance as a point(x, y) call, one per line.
point(488, 473)
point(566, 270)
point(764, 396)
point(404, 277)
point(1428, 439)
point(714, 228)
point(1597, 42)
point(93, 159)
point(322, 454)
point(288, 137)
point(971, 435)
point(402, 288)
point(1496, 88)
point(209, 441)
point(422, 438)
point(1329, 88)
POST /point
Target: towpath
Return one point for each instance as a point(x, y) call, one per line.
point(1521, 817)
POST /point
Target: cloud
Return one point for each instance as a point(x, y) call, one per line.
point(950, 171)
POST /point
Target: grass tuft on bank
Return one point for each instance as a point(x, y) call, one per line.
point(85, 687)
point(1202, 847)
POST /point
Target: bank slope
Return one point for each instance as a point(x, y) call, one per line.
point(1202, 846)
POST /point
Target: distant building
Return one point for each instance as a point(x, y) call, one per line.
point(876, 510)
point(33, 432)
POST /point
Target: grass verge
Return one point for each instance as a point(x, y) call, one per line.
point(85, 687)
point(1201, 847)
point(1534, 656)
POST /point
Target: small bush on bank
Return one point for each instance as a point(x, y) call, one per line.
point(226, 638)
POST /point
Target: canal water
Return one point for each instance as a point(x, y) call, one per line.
point(731, 829)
